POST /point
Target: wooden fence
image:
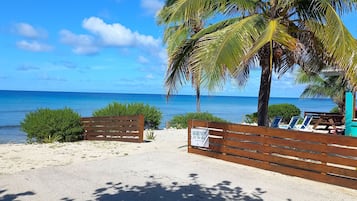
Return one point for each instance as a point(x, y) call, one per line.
point(326, 158)
point(119, 128)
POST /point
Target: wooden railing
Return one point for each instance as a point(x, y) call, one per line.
point(119, 128)
point(320, 157)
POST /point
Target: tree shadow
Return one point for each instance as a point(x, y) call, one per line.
point(11, 197)
point(154, 190)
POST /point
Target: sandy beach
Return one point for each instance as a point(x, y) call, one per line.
point(157, 170)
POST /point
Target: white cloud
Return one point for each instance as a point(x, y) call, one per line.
point(25, 67)
point(82, 44)
point(117, 34)
point(103, 35)
point(27, 30)
point(149, 76)
point(143, 60)
point(151, 6)
point(33, 46)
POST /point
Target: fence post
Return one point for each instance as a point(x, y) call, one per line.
point(324, 154)
point(266, 146)
point(190, 124)
point(141, 128)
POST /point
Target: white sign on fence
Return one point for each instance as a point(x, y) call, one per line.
point(199, 137)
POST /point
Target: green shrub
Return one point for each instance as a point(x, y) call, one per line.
point(335, 110)
point(180, 121)
point(284, 110)
point(251, 118)
point(46, 125)
point(151, 114)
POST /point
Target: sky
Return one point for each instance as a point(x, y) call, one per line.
point(100, 46)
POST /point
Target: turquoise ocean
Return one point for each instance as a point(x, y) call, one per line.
point(14, 105)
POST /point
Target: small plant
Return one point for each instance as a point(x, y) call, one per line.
point(180, 121)
point(150, 135)
point(251, 118)
point(151, 114)
point(46, 126)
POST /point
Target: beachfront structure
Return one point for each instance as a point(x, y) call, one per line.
point(350, 115)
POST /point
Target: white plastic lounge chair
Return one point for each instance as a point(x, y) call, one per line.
point(305, 124)
point(292, 123)
point(276, 121)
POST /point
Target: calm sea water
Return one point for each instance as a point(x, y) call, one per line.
point(14, 105)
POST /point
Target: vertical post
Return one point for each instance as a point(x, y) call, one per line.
point(190, 124)
point(324, 157)
point(349, 110)
point(141, 128)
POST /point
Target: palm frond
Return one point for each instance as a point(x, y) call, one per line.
point(184, 10)
point(223, 49)
point(273, 32)
point(174, 36)
point(177, 70)
point(339, 43)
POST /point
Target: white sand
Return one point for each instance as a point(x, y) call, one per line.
point(20, 157)
point(158, 170)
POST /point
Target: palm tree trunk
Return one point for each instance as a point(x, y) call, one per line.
point(198, 98)
point(264, 94)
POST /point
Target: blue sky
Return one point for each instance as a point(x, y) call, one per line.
point(98, 46)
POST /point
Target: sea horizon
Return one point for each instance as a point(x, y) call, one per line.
point(15, 104)
point(162, 94)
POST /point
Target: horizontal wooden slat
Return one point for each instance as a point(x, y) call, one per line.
point(320, 157)
point(343, 151)
point(342, 161)
point(342, 171)
point(243, 145)
point(309, 166)
point(123, 128)
point(244, 153)
point(295, 153)
point(216, 133)
point(249, 137)
point(113, 134)
point(296, 144)
point(116, 139)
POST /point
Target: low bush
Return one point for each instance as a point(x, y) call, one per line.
point(151, 114)
point(180, 121)
point(284, 110)
point(251, 118)
point(335, 110)
point(46, 126)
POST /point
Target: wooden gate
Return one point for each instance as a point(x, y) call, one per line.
point(321, 157)
point(120, 128)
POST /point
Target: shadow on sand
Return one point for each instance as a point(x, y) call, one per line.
point(153, 190)
point(11, 197)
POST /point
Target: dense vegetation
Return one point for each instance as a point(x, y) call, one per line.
point(284, 110)
point(151, 114)
point(46, 126)
point(180, 121)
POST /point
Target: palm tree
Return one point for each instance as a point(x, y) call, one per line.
point(277, 35)
point(180, 34)
point(319, 85)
